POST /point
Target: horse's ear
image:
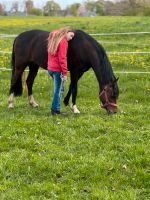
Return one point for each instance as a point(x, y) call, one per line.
point(116, 79)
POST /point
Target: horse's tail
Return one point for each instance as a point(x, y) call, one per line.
point(16, 86)
point(13, 57)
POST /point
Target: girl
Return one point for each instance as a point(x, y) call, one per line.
point(57, 63)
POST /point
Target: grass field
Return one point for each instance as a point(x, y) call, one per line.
point(89, 156)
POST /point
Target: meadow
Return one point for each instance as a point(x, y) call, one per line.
point(89, 156)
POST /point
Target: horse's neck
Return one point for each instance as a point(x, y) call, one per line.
point(103, 72)
point(99, 77)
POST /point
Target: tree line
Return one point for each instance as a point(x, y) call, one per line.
point(87, 8)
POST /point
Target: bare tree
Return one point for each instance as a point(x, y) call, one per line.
point(73, 9)
point(15, 6)
point(127, 7)
point(28, 6)
point(81, 10)
point(137, 7)
point(2, 9)
point(141, 2)
point(133, 3)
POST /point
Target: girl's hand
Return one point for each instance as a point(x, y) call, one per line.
point(64, 78)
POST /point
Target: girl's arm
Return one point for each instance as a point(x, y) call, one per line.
point(62, 56)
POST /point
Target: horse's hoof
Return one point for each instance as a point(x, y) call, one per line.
point(10, 106)
point(76, 112)
point(34, 105)
point(74, 109)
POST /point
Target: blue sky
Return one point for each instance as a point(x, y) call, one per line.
point(41, 3)
point(63, 3)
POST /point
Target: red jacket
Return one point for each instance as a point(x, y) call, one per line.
point(58, 62)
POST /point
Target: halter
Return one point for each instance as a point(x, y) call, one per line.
point(107, 102)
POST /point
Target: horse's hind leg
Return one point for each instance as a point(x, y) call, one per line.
point(33, 69)
point(16, 85)
point(11, 101)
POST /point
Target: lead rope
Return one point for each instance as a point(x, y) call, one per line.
point(61, 86)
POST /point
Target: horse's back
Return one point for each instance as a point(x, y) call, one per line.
point(31, 46)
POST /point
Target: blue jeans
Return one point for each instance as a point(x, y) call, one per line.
point(58, 89)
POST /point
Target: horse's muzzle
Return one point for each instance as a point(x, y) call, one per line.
point(111, 108)
point(110, 112)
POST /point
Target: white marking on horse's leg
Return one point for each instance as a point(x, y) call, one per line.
point(32, 102)
point(74, 109)
point(10, 101)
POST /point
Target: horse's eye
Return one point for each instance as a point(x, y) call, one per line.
point(114, 92)
point(112, 95)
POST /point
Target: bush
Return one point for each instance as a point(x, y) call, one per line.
point(146, 11)
point(36, 11)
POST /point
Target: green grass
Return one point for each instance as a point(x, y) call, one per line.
point(89, 156)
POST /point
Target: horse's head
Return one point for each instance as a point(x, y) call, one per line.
point(109, 95)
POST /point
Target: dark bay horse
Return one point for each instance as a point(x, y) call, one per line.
point(84, 52)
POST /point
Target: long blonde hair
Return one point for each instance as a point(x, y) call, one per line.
point(55, 37)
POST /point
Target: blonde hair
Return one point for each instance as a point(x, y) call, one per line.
point(55, 37)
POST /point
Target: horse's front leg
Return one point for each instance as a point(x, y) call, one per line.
point(67, 97)
point(74, 80)
point(33, 69)
point(66, 100)
point(74, 95)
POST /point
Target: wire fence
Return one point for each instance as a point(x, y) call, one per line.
point(117, 72)
point(7, 36)
point(126, 52)
point(125, 33)
point(92, 34)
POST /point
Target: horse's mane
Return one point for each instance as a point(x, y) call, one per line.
point(106, 68)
